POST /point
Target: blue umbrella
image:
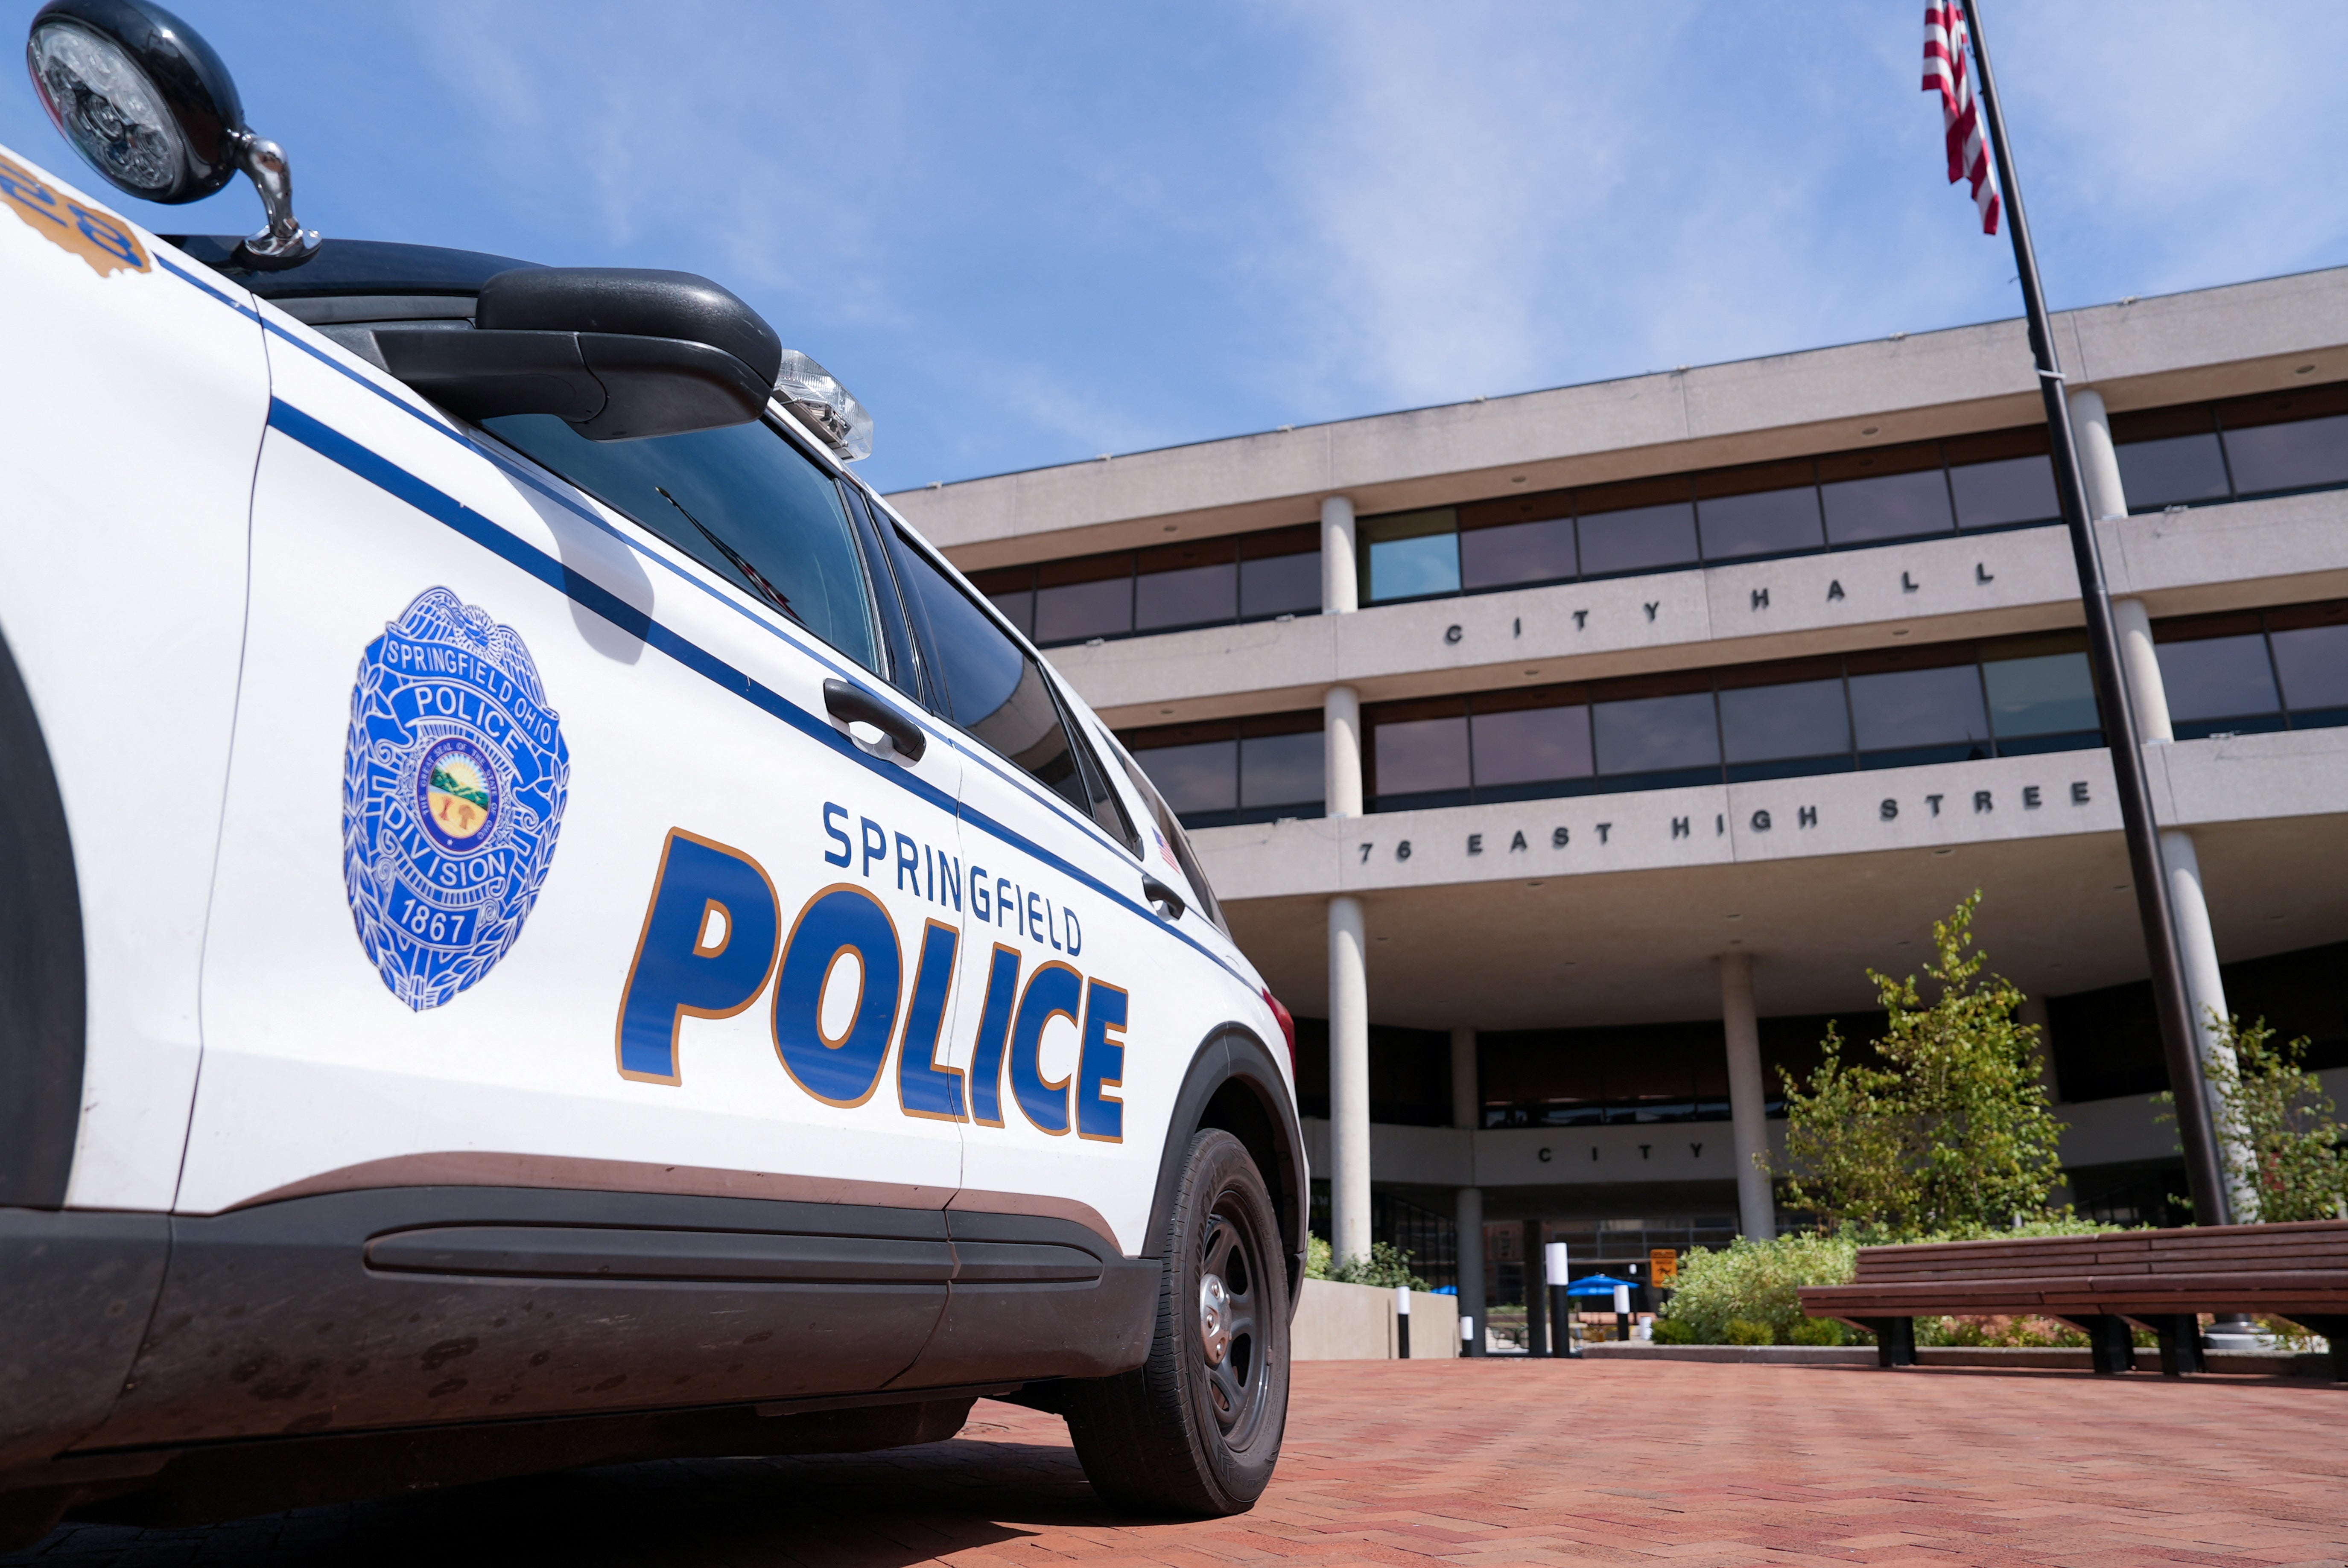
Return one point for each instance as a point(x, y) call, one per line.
point(1598, 1284)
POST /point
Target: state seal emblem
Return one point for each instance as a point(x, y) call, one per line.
point(453, 786)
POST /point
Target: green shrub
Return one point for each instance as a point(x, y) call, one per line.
point(1672, 1331)
point(1819, 1331)
point(1755, 1282)
point(1744, 1331)
point(1388, 1265)
point(1942, 1121)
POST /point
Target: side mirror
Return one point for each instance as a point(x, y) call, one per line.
point(621, 352)
point(148, 105)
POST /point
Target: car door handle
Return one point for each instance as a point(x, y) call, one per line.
point(1156, 892)
point(852, 704)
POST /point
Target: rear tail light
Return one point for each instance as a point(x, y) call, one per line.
point(1287, 1027)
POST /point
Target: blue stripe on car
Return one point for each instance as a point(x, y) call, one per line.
point(394, 480)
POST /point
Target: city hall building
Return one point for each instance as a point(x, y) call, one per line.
point(1565, 760)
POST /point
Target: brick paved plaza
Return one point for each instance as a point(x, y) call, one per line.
point(1462, 1461)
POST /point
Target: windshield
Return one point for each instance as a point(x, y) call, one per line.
point(1173, 845)
point(743, 501)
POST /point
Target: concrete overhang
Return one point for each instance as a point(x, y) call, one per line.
point(2211, 342)
point(1624, 925)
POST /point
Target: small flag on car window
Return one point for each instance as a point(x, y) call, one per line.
point(1165, 850)
point(1945, 69)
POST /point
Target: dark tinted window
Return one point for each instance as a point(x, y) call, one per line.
point(1778, 722)
point(2215, 671)
point(1279, 573)
point(743, 501)
point(1644, 526)
point(2040, 694)
point(1665, 734)
point(2289, 441)
point(1013, 591)
point(999, 693)
point(1199, 779)
point(1530, 745)
point(1233, 770)
point(2001, 478)
point(1186, 585)
point(1898, 712)
point(1281, 770)
point(2169, 457)
point(1422, 756)
point(1898, 493)
point(2313, 661)
point(1077, 600)
point(1765, 510)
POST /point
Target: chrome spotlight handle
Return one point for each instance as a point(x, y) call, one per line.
point(283, 241)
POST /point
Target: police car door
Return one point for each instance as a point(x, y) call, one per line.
point(550, 861)
point(1082, 1006)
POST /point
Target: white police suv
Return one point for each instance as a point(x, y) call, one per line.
point(540, 924)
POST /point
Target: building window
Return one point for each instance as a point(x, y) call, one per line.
point(1635, 1074)
point(1932, 705)
point(1235, 771)
point(1280, 573)
point(1898, 493)
point(2189, 455)
point(2271, 670)
point(2001, 479)
point(1645, 525)
point(2106, 1043)
point(1409, 555)
point(1784, 729)
point(1652, 737)
point(1768, 511)
point(2287, 441)
point(1170, 587)
point(1518, 543)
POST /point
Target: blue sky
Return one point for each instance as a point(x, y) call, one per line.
point(1027, 234)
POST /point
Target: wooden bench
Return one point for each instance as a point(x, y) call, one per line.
point(2103, 1285)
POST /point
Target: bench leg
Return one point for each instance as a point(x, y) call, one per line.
point(2335, 1329)
point(2180, 1343)
point(2111, 1346)
point(1895, 1340)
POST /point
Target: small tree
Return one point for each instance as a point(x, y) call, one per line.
point(2289, 1152)
point(1943, 1125)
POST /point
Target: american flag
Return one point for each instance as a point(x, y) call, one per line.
point(1944, 68)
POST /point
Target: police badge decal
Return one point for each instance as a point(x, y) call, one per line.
point(453, 786)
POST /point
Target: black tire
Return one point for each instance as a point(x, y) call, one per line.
point(1192, 1431)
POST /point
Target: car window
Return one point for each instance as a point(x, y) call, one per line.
point(994, 689)
point(743, 501)
point(1173, 844)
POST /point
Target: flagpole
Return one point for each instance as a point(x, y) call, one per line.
point(2204, 1173)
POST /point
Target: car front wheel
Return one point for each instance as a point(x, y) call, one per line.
point(1196, 1429)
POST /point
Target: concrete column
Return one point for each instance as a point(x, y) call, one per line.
point(1536, 1290)
point(1467, 1095)
point(1349, 1082)
point(1470, 1215)
point(1341, 731)
point(1747, 1099)
point(2207, 990)
point(2099, 465)
point(2148, 700)
point(1340, 582)
point(2140, 668)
